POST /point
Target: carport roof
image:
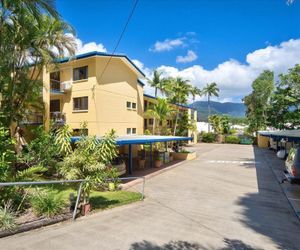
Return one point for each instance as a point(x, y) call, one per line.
point(142, 139)
point(293, 135)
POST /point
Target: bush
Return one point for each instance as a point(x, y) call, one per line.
point(7, 218)
point(232, 139)
point(47, 204)
point(208, 137)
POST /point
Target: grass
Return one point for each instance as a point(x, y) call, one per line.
point(99, 200)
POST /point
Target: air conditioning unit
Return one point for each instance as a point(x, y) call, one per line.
point(66, 86)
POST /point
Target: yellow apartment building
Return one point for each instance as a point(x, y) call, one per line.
point(103, 90)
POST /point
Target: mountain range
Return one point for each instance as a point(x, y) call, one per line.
point(226, 108)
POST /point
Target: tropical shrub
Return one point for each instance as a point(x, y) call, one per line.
point(47, 203)
point(232, 139)
point(89, 161)
point(208, 137)
point(7, 218)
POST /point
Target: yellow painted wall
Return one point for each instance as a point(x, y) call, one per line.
point(107, 96)
point(262, 141)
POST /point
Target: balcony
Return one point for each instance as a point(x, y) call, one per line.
point(33, 119)
point(57, 87)
point(58, 117)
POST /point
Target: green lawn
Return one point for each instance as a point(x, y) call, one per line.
point(98, 200)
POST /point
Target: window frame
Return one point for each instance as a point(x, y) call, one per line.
point(82, 79)
point(81, 98)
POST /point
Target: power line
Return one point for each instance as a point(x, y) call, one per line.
point(120, 37)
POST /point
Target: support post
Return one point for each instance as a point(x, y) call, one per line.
point(130, 159)
point(151, 156)
point(77, 201)
point(166, 149)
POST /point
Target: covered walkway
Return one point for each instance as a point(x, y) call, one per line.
point(143, 140)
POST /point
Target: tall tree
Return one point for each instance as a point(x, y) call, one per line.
point(258, 101)
point(32, 35)
point(210, 90)
point(284, 109)
point(177, 90)
point(195, 91)
point(157, 82)
point(160, 112)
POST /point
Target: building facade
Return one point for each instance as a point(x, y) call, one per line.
point(101, 90)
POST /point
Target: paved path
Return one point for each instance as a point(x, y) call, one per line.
point(228, 198)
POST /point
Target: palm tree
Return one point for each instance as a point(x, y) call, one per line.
point(31, 33)
point(211, 89)
point(160, 112)
point(178, 90)
point(195, 91)
point(157, 82)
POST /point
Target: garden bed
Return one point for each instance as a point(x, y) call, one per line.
point(184, 155)
point(28, 220)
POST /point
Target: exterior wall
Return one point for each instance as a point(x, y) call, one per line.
point(107, 96)
point(262, 141)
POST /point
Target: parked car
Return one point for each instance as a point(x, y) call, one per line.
point(292, 166)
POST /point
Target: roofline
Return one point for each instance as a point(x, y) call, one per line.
point(145, 140)
point(140, 82)
point(97, 53)
point(179, 105)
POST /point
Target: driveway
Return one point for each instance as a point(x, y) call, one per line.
point(228, 198)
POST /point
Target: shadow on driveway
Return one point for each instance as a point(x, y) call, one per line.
point(185, 245)
point(268, 211)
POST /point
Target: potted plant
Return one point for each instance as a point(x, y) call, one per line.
point(141, 162)
point(158, 162)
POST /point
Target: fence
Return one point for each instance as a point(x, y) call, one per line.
point(81, 181)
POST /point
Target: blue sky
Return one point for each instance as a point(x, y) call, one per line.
point(204, 40)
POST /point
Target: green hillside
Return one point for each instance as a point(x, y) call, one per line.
point(226, 108)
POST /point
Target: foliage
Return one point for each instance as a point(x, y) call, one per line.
point(7, 218)
point(284, 109)
point(157, 82)
point(232, 139)
point(89, 161)
point(41, 151)
point(220, 123)
point(62, 140)
point(160, 112)
point(258, 101)
point(47, 203)
point(32, 35)
point(208, 137)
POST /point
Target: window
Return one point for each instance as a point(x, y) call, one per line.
point(131, 105)
point(80, 73)
point(151, 121)
point(80, 103)
point(55, 80)
point(131, 131)
point(145, 123)
point(145, 105)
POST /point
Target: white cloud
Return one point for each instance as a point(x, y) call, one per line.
point(168, 44)
point(234, 78)
point(190, 57)
point(89, 47)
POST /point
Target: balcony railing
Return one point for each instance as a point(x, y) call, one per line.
point(58, 117)
point(60, 86)
point(34, 118)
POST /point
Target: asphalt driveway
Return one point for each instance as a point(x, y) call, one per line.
point(228, 198)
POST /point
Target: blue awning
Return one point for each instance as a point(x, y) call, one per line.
point(142, 139)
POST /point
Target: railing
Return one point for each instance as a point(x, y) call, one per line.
point(55, 85)
point(35, 118)
point(81, 181)
point(58, 117)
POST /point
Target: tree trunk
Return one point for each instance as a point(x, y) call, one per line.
point(176, 120)
point(208, 102)
point(155, 92)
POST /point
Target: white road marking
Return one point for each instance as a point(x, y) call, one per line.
point(234, 162)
